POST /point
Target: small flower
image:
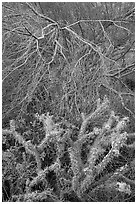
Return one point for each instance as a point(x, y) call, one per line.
point(123, 187)
point(96, 131)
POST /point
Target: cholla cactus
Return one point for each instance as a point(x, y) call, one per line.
point(103, 146)
point(110, 135)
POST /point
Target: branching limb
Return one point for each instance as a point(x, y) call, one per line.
point(29, 147)
point(97, 113)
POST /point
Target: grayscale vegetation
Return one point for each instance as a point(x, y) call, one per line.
point(68, 94)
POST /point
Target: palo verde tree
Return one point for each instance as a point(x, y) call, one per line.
point(66, 55)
